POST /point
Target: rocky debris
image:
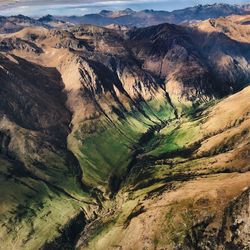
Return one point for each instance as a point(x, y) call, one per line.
point(234, 233)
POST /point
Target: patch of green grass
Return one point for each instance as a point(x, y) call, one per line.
point(156, 241)
point(179, 220)
point(159, 109)
point(174, 137)
point(109, 150)
point(31, 213)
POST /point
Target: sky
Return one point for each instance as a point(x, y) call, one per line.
point(36, 8)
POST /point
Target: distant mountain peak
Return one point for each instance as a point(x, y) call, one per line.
point(105, 12)
point(22, 17)
point(112, 14)
point(128, 10)
point(47, 18)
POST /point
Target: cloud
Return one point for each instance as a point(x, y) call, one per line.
point(66, 7)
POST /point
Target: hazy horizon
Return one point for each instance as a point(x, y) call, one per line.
point(38, 8)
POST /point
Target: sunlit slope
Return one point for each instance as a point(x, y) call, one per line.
point(188, 188)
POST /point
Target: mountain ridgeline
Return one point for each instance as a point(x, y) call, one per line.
point(131, 18)
point(127, 18)
point(105, 132)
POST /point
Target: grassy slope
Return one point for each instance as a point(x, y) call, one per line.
point(37, 200)
point(29, 208)
point(43, 210)
point(110, 150)
point(215, 142)
point(36, 206)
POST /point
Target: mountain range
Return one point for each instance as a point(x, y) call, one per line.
point(125, 138)
point(127, 17)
